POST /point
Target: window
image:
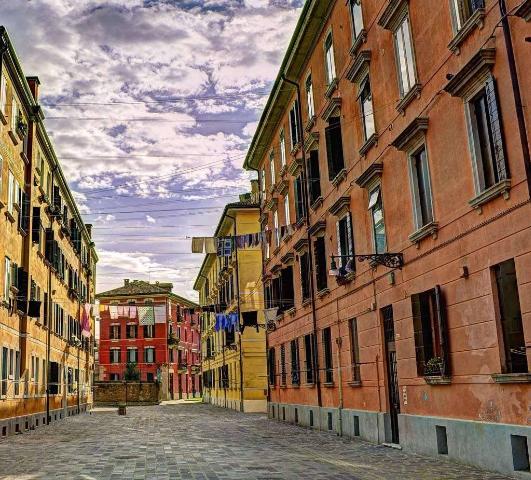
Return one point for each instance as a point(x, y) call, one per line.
point(309, 341)
point(14, 114)
point(7, 278)
point(378, 225)
point(513, 349)
point(315, 176)
point(272, 167)
point(421, 188)
point(287, 300)
point(327, 348)
point(55, 382)
point(330, 66)
point(149, 377)
point(132, 355)
point(272, 368)
point(11, 192)
point(283, 375)
point(115, 355)
point(487, 139)
point(282, 148)
point(114, 332)
point(295, 364)
point(298, 188)
point(334, 148)
point(309, 97)
point(464, 9)
point(149, 355)
point(354, 349)
point(430, 329)
point(114, 377)
point(3, 385)
point(321, 272)
point(131, 331)
point(304, 262)
point(277, 230)
point(404, 53)
point(70, 380)
point(286, 210)
point(367, 112)
point(345, 244)
point(3, 93)
point(294, 126)
point(262, 186)
point(148, 331)
point(356, 17)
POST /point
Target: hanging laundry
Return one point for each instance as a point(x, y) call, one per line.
point(132, 312)
point(121, 311)
point(85, 320)
point(233, 322)
point(198, 244)
point(250, 319)
point(104, 308)
point(113, 311)
point(219, 319)
point(146, 315)
point(210, 245)
point(271, 314)
point(34, 309)
point(241, 241)
point(224, 247)
point(160, 314)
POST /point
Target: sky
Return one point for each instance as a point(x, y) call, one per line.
point(151, 105)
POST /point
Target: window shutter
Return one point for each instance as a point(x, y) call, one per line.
point(57, 198)
point(25, 212)
point(48, 251)
point(417, 330)
point(477, 4)
point(443, 330)
point(496, 129)
point(330, 152)
point(338, 232)
point(350, 236)
point(36, 225)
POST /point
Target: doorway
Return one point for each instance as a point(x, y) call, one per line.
point(392, 376)
point(171, 387)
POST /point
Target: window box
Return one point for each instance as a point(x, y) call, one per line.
point(371, 141)
point(437, 380)
point(347, 278)
point(317, 203)
point(294, 151)
point(499, 189)
point(13, 137)
point(291, 311)
point(511, 377)
point(354, 383)
point(10, 216)
point(339, 178)
point(323, 293)
point(475, 20)
point(306, 302)
point(295, 167)
point(425, 231)
point(413, 93)
point(358, 42)
point(3, 118)
point(331, 88)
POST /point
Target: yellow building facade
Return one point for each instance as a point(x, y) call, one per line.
point(234, 370)
point(47, 270)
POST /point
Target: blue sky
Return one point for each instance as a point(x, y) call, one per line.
point(151, 105)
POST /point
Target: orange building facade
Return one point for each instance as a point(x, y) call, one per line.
point(405, 158)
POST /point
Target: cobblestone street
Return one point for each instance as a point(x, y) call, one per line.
point(195, 441)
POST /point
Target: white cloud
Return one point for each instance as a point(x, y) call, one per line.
point(150, 219)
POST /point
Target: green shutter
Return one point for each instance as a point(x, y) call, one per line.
point(496, 129)
point(443, 330)
point(417, 330)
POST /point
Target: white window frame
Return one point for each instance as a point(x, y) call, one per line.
point(330, 63)
point(286, 209)
point(11, 191)
point(146, 356)
point(3, 93)
point(272, 167)
point(457, 22)
point(414, 184)
point(277, 228)
point(7, 277)
point(355, 24)
point(282, 142)
point(115, 355)
point(367, 133)
point(350, 250)
point(14, 113)
point(309, 97)
point(403, 39)
point(375, 198)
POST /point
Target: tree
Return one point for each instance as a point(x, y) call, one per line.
point(131, 372)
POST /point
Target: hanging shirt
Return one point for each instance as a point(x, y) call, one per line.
point(210, 245)
point(132, 312)
point(160, 314)
point(146, 315)
point(85, 320)
point(113, 311)
point(198, 244)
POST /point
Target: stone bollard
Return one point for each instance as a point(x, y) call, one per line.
point(122, 409)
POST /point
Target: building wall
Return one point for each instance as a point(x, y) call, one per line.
point(25, 155)
point(137, 393)
point(465, 236)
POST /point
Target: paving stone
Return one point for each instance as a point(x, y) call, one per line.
point(202, 442)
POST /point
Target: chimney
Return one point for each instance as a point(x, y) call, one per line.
point(126, 282)
point(34, 83)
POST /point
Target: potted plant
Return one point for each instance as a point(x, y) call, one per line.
point(434, 367)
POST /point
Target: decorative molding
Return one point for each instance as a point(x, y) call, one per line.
point(295, 167)
point(437, 380)
point(323, 292)
point(360, 67)
point(310, 123)
point(287, 258)
point(411, 134)
point(341, 206)
point(272, 204)
point(467, 78)
point(413, 93)
point(301, 245)
point(524, 11)
point(318, 229)
point(275, 268)
point(393, 14)
point(282, 187)
point(371, 141)
point(423, 232)
point(374, 170)
point(477, 19)
point(512, 377)
point(332, 87)
point(499, 189)
point(311, 142)
point(358, 42)
point(339, 178)
point(331, 107)
point(317, 203)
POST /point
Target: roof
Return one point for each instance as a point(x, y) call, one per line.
point(140, 287)
point(311, 21)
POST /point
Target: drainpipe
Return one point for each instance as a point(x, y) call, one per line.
point(306, 203)
point(516, 92)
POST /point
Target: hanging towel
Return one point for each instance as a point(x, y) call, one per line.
point(146, 315)
point(113, 311)
point(217, 325)
point(121, 311)
point(132, 312)
point(160, 314)
point(198, 244)
point(250, 319)
point(85, 320)
point(34, 309)
point(210, 245)
point(271, 314)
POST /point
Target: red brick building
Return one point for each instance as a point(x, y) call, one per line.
point(147, 325)
point(407, 145)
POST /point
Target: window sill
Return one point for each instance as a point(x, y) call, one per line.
point(310, 124)
point(328, 384)
point(423, 232)
point(339, 178)
point(318, 202)
point(331, 88)
point(283, 170)
point(306, 302)
point(475, 20)
point(24, 157)
point(343, 280)
point(10, 216)
point(295, 149)
point(13, 137)
point(500, 189)
point(291, 311)
point(413, 93)
point(283, 386)
point(371, 141)
point(323, 292)
point(3, 118)
point(295, 385)
point(308, 385)
point(358, 42)
point(511, 377)
point(437, 380)
point(354, 383)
